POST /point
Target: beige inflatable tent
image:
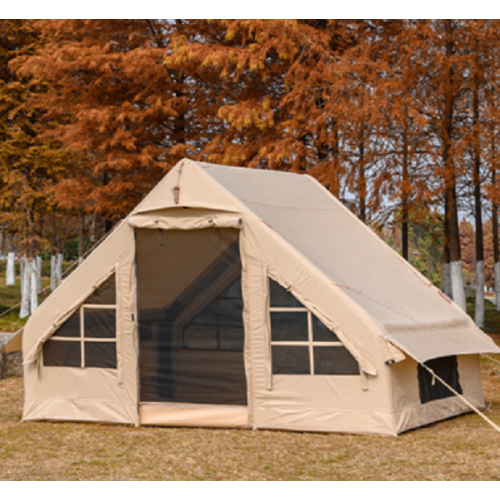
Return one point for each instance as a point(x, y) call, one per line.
point(233, 297)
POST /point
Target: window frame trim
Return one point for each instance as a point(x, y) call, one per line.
point(310, 343)
point(82, 339)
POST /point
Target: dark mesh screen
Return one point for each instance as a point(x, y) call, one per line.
point(105, 294)
point(71, 327)
point(190, 316)
point(280, 297)
point(334, 360)
point(100, 354)
point(290, 360)
point(219, 325)
point(99, 323)
point(289, 326)
point(62, 353)
point(321, 332)
point(447, 369)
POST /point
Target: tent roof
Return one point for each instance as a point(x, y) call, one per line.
point(326, 233)
point(401, 304)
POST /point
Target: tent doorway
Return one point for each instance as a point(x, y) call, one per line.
point(190, 315)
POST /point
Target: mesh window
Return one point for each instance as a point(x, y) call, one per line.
point(321, 333)
point(219, 325)
point(70, 328)
point(334, 360)
point(99, 323)
point(432, 390)
point(190, 316)
point(289, 326)
point(280, 297)
point(100, 355)
point(290, 360)
point(105, 294)
point(61, 353)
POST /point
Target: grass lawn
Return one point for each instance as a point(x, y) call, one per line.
point(462, 448)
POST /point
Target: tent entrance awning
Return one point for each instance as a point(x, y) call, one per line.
point(425, 344)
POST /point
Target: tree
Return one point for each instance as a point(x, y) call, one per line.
point(116, 106)
point(29, 166)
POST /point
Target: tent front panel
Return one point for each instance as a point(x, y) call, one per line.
point(87, 393)
point(192, 415)
point(190, 317)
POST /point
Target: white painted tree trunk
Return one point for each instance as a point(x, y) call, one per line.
point(22, 263)
point(447, 280)
point(26, 288)
point(59, 263)
point(11, 270)
point(38, 261)
point(53, 279)
point(34, 287)
point(457, 284)
point(479, 316)
point(497, 285)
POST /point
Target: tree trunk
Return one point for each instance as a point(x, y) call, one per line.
point(404, 193)
point(496, 250)
point(457, 280)
point(53, 284)
point(22, 265)
point(34, 286)
point(81, 239)
point(479, 314)
point(362, 179)
point(335, 163)
point(38, 267)
point(26, 288)
point(447, 255)
point(59, 263)
point(108, 224)
point(11, 269)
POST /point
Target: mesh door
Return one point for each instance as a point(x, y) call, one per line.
point(190, 316)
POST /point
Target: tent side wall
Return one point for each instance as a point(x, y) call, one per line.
point(87, 393)
point(343, 403)
point(410, 412)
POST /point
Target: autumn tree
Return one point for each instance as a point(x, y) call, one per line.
point(398, 118)
point(29, 166)
point(116, 106)
point(401, 89)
